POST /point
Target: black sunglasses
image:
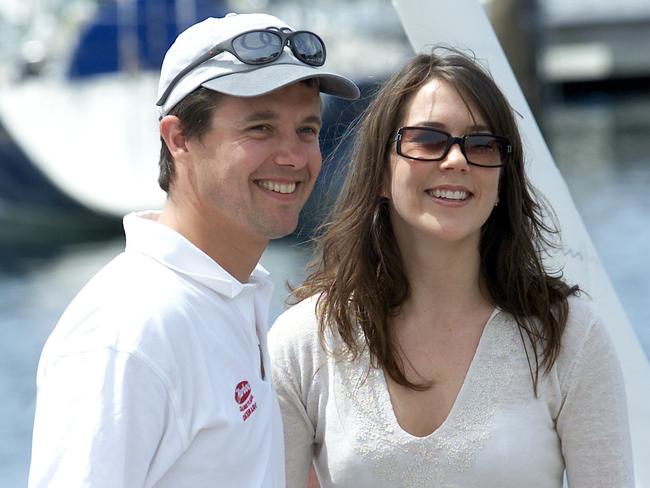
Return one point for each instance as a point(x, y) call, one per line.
point(427, 144)
point(260, 46)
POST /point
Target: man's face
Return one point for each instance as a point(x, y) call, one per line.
point(252, 172)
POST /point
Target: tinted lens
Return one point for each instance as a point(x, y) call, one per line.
point(308, 47)
point(484, 149)
point(258, 47)
point(423, 143)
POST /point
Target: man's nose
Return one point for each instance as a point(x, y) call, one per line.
point(291, 151)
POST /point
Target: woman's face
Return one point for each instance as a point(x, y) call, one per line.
point(446, 200)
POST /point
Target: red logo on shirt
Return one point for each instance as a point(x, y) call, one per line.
point(242, 391)
point(244, 397)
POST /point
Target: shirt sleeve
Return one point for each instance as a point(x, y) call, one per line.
point(100, 418)
point(292, 380)
point(593, 423)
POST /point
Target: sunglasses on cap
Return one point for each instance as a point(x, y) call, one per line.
point(260, 46)
point(427, 144)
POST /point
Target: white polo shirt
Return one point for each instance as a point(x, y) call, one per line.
point(152, 377)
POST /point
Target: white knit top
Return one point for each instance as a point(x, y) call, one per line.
point(497, 435)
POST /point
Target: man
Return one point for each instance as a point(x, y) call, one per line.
point(157, 373)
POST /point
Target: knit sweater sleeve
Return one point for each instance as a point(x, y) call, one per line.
point(592, 423)
point(296, 360)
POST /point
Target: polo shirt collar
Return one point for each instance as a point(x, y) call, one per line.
point(146, 236)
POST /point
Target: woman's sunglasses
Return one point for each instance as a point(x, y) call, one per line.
point(427, 144)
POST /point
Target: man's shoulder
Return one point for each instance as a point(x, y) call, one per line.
point(133, 270)
point(134, 282)
point(132, 304)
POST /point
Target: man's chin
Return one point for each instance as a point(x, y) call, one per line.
point(282, 229)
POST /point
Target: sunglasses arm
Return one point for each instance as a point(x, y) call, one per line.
point(212, 52)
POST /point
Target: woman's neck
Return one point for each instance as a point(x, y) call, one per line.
point(445, 279)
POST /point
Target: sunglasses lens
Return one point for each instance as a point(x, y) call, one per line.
point(423, 143)
point(308, 47)
point(484, 149)
point(258, 47)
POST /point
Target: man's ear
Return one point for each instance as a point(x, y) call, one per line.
point(171, 132)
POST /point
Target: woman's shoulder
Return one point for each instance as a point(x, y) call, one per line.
point(585, 334)
point(583, 321)
point(296, 327)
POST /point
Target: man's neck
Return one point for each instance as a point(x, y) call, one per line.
point(235, 253)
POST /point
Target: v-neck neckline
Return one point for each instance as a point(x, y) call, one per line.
point(365, 413)
point(387, 404)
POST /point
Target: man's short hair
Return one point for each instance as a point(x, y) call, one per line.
point(195, 115)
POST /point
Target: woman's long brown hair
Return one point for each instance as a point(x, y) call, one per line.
point(358, 273)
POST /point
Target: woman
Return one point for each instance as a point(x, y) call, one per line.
point(430, 347)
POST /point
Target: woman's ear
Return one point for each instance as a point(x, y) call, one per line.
point(385, 186)
point(171, 132)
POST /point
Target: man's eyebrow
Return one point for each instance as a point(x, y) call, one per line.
point(260, 116)
point(313, 119)
point(268, 115)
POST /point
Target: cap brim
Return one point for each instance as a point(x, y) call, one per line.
point(270, 77)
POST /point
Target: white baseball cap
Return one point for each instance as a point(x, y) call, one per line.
point(226, 74)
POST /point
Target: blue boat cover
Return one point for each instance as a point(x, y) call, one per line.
point(134, 36)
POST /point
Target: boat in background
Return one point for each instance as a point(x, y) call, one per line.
point(79, 142)
point(78, 139)
point(591, 45)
